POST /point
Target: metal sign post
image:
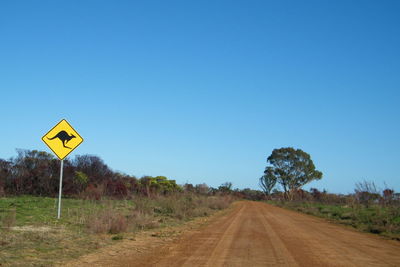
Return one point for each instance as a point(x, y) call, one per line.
point(60, 190)
point(62, 139)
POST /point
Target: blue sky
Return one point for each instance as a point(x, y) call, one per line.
point(203, 91)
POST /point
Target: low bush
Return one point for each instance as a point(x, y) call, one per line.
point(144, 205)
point(107, 221)
point(219, 203)
point(140, 220)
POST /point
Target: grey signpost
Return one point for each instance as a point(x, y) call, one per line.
point(62, 139)
point(60, 190)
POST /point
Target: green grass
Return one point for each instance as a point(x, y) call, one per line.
point(40, 210)
point(37, 238)
point(30, 234)
point(374, 219)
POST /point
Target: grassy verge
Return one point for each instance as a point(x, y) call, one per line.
point(375, 219)
point(30, 234)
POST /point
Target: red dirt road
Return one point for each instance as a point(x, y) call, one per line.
point(257, 234)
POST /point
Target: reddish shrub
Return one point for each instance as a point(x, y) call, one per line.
point(93, 192)
point(117, 189)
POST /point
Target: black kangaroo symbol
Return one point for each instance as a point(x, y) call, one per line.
point(64, 138)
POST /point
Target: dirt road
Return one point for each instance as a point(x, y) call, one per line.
point(257, 234)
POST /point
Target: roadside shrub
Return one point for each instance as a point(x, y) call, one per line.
point(140, 220)
point(144, 205)
point(93, 192)
point(201, 211)
point(180, 207)
point(118, 224)
point(366, 192)
point(2, 191)
point(219, 203)
point(117, 237)
point(117, 189)
point(346, 216)
point(80, 180)
point(388, 195)
point(107, 221)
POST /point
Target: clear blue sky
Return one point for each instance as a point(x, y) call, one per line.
point(203, 91)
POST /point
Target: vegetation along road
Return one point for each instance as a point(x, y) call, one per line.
point(258, 234)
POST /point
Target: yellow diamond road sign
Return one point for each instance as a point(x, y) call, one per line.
point(62, 139)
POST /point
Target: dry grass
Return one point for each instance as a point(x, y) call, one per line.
point(190, 206)
point(140, 221)
point(43, 246)
point(107, 221)
point(31, 235)
point(383, 220)
point(9, 219)
point(219, 203)
point(149, 213)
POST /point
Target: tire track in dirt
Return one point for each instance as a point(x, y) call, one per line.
point(197, 252)
point(258, 234)
point(221, 249)
point(319, 242)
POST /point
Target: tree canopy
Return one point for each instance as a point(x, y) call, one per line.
point(291, 168)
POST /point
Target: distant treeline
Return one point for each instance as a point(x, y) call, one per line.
point(366, 193)
point(34, 172)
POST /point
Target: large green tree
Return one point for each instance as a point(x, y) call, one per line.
point(292, 168)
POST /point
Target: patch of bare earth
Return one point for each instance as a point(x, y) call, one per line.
point(142, 244)
point(251, 234)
